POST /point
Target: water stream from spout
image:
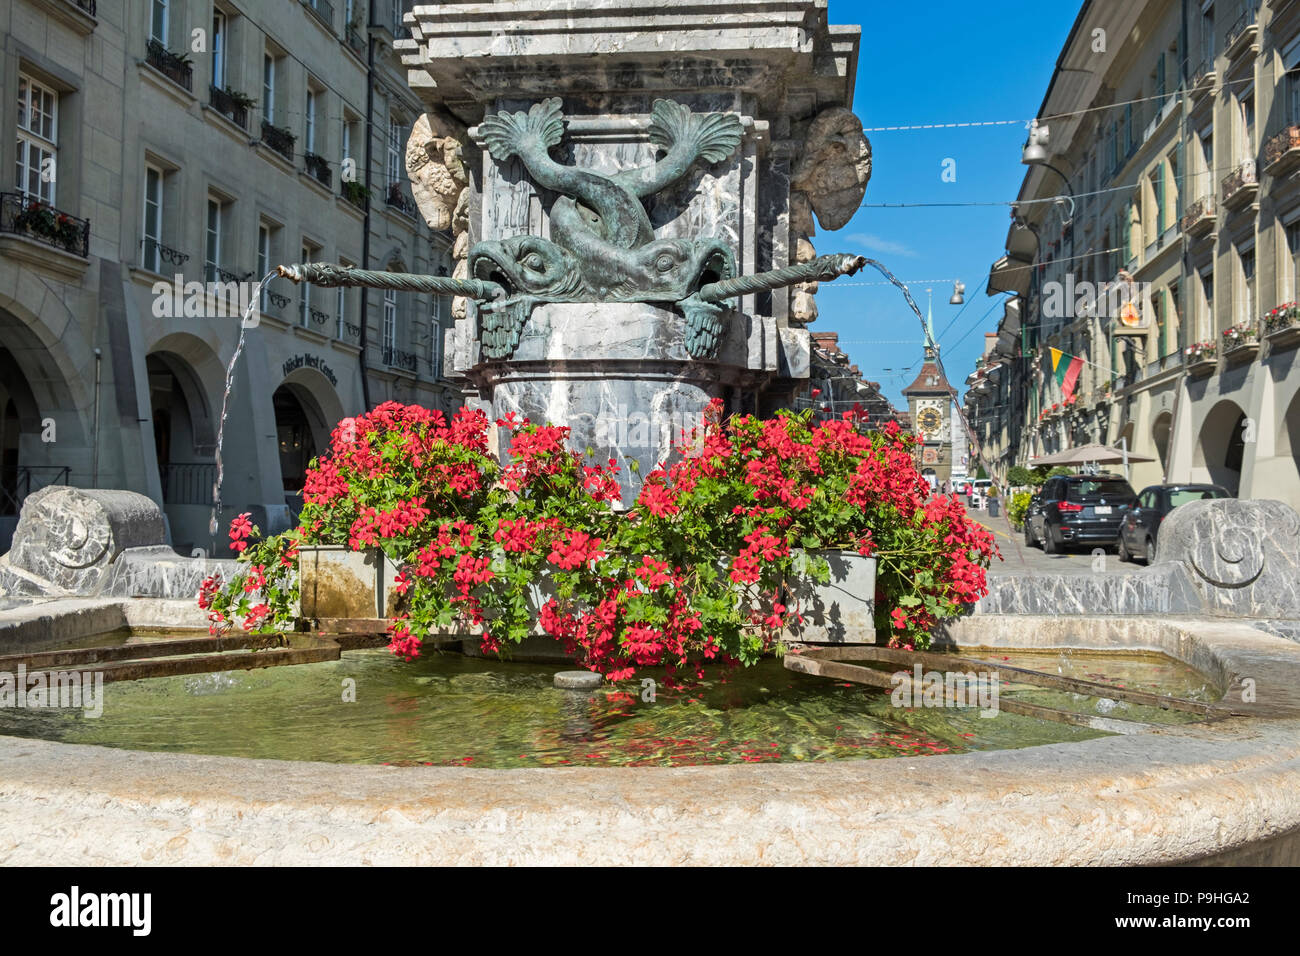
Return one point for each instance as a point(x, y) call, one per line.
point(254, 303)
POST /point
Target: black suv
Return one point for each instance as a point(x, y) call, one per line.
point(1078, 510)
point(1140, 528)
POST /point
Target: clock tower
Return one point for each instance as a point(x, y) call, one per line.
point(929, 399)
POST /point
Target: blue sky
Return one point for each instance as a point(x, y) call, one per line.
point(942, 61)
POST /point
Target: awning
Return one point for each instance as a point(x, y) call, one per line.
point(1009, 275)
point(1085, 454)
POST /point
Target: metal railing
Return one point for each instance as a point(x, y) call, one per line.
point(1197, 213)
point(26, 480)
point(1243, 177)
point(44, 223)
point(322, 11)
point(1240, 26)
point(175, 68)
point(229, 106)
point(280, 140)
point(397, 198)
point(399, 358)
point(154, 253)
point(1278, 146)
point(319, 168)
point(187, 482)
point(356, 41)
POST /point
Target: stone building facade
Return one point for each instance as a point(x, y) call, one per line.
point(1174, 133)
point(167, 155)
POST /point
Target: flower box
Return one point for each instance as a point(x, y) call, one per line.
point(842, 611)
point(1240, 344)
point(337, 582)
point(1282, 326)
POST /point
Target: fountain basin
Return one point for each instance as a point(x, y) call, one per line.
point(1227, 790)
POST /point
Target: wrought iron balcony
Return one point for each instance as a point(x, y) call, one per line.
point(1241, 185)
point(398, 358)
point(322, 11)
point(280, 140)
point(277, 299)
point(355, 193)
point(356, 41)
point(1282, 152)
point(1202, 79)
point(349, 332)
point(1243, 32)
point(175, 68)
point(398, 199)
point(154, 254)
point(318, 316)
point(1199, 218)
point(42, 222)
point(231, 105)
point(319, 168)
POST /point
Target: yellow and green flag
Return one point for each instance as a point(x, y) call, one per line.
point(1067, 373)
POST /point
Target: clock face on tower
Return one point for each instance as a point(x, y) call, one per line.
point(929, 420)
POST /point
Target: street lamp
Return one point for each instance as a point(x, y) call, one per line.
point(958, 287)
point(1034, 154)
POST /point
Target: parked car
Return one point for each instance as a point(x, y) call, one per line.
point(1139, 532)
point(1074, 510)
point(1031, 540)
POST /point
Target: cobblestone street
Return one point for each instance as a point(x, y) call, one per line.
point(1017, 557)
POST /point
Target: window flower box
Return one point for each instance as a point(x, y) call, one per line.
point(1240, 343)
point(1201, 358)
point(1282, 325)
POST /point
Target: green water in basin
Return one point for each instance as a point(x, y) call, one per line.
point(445, 709)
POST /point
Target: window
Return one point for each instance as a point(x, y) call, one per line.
point(212, 256)
point(263, 257)
point(1248, 285)
point(435, 335)
point(1207, 157)
point(347, 139)
point(309, 137)
point(1173, 319)
point(1207, 294)
point(341, 303)
point(151, 257)
point(1158, 191)
point(158, 22)
point(268, 88)
point(1159, 305)
point(310, 253)
point(219, 49)
point(1207, 34)
point(396, 141)
point(390, 324)
point(1293, 247)
point(1248, 124)
point(38, 108)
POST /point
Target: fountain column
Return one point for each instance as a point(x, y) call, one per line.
point(624, 374)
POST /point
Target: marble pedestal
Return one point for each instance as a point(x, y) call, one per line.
point(618, 374)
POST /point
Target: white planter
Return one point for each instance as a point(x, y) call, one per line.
point(336, 582)
point(841, 611)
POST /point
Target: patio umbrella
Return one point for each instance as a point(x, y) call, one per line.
point(1085, 454)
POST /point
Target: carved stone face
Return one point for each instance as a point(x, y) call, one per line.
point(528, 265)
point(834, 167)
point(669, 270)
